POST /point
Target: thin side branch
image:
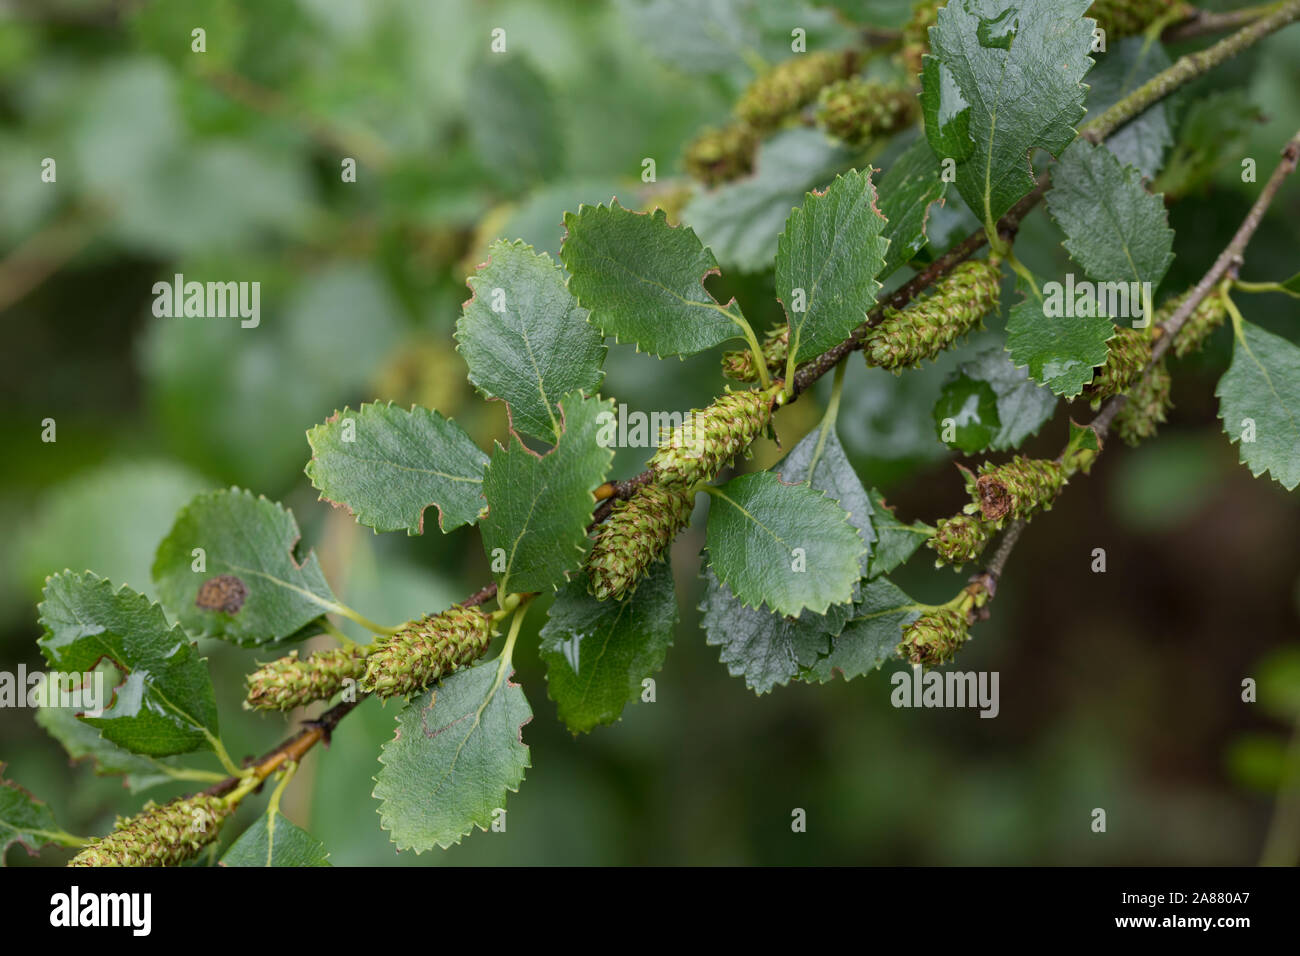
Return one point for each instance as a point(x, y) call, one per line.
point(1228, 261)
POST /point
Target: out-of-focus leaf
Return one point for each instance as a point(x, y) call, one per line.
point(1127, 64)
point(1020, 406)
point(1259, 403)
point(741, 221)
point(513, 122)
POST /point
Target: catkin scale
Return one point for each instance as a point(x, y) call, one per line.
point(426, 650)
point(1204, 319)
point(634, 535)
point(165, 835)
point(290, 682)
point(711, 437)
point(928, 325)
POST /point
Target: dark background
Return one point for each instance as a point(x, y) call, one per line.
point(1118, 690)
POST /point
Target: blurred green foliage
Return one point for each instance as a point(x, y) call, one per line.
point(227, 164)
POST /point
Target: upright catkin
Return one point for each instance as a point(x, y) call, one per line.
point(159, 835)
point(928, 325)
point(426, 650)
point(634, 535)
point(791, 84)
point(1015, 489)
point(289, 682)
point(697, 449)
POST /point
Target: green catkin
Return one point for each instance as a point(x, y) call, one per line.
point(1129, 352)
point(711, 437)
point(927, 326)
point(1148, 401)
point(1205, 318)
point(721, 155)
point(290, 682)
point(165, 835)
point(935, 638)
point(790, 85)
point(634, 536)
point(739, 365)
point(1122, 18)
point(1016, 489)
point(958, 539)
point(916, 34)
point(426, 650)
point(856, 111)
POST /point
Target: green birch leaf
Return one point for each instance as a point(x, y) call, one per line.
point(1059, 351)
point(83, 741)
point(826, 263)
point(458, 751)
point(274, 841)
point(526, 339)
point(911, 185)
point(1126, 65)
point(1018, 69)
point(895, 541)
point(972, 408)
point(1259, 402)
point(765, 648)
point(1113, 227)
point(598, 652)
point(387, 466)
point(539, 506)
point(164, 703)
point(741, 221)
point(787, 546)
point(24, 819)
point(871, 637)
point(1020, 405)
point(252, 590)
point(643, 280)
point(1210, 134)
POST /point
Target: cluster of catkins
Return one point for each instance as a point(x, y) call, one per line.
point(1017, 489)
point(848, 108)
point(640, 527)
point(418, 654)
